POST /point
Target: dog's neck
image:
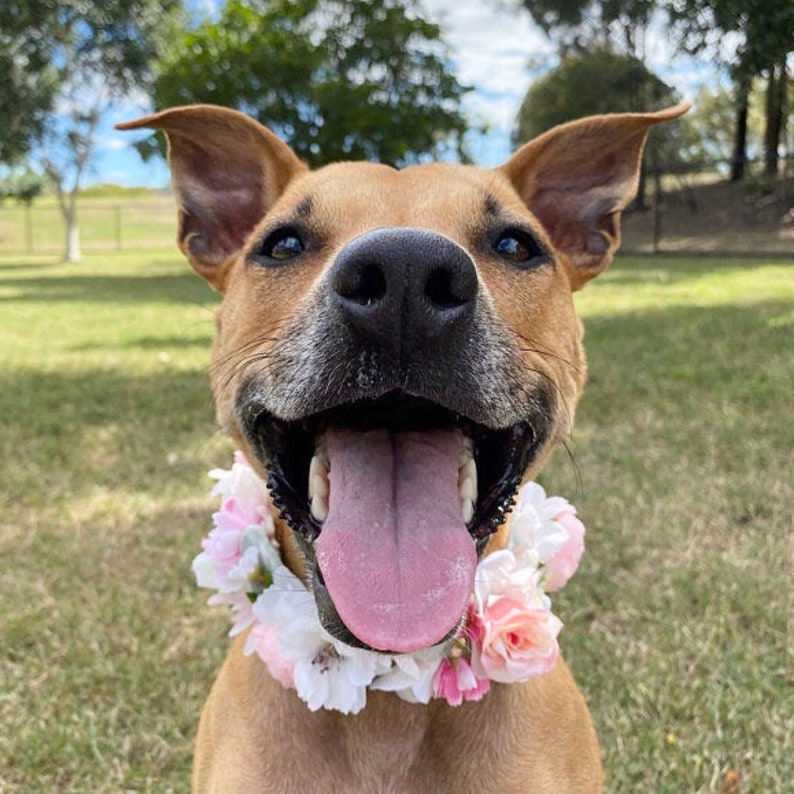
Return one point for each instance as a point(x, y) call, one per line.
point(395, 741)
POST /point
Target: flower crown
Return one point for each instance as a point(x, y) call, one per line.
point(509, 633)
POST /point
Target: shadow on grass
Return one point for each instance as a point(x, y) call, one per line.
point(632, 269)
point(12, 267)
point(66, 433)
point(150, 343)
point(166, 288)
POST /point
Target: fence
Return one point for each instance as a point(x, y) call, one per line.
point(692, 213)
point(705, 213)
point(131, 224)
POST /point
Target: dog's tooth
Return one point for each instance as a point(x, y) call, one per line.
point(319, 507)
point(319, 486)
point(467, 509)
point(318, 478)
point(468, 472)
point(467, 452)
point(468, 489)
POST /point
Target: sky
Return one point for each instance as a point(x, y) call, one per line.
point(495, 49)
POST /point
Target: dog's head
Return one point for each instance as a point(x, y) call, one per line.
point(397, 350)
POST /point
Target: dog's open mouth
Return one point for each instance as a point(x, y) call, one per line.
point(392, 500)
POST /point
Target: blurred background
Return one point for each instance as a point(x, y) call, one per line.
point(399, 81)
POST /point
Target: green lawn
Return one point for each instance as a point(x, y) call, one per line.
point(675, 624)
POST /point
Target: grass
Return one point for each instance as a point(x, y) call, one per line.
point(676, 622)
point(127, 220)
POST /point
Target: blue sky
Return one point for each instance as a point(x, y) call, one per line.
point(495, 49)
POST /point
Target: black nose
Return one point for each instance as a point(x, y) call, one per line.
point(404, 287)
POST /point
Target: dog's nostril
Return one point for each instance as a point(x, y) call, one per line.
point(442, 290)
point(368, 286)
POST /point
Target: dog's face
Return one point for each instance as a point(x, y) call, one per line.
point(397, 350)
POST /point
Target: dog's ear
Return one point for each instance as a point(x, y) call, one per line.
point(577, 179)
point(227, 170)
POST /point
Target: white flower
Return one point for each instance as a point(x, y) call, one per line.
point(203, 568)
point(242, 574)
point(242, 612)
point(410, 677)
point(256, 537)
point(327, 674)
point(331, 680)
point(533, 525)
point(507, 574)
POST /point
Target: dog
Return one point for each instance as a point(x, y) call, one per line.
point(365, 302)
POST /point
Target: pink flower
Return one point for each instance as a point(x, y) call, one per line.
point(564, 562)
point(242, 610)
point(455, 681)
point(514, 641)
point(264, 640)
point(224, 545)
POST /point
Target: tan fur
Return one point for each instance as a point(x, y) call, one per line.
point(233, 180)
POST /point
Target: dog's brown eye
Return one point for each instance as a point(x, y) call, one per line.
point(286, 248)
point(520, 249)
point(282, 245)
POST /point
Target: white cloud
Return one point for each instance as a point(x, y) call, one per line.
point(491, 48)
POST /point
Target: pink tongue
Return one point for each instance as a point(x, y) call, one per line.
point(394, 551)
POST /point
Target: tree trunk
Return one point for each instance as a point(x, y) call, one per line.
point(740, 134)
point(775, 101)
point(73, 253)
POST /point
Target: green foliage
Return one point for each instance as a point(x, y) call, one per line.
point(69, 47)
point(765, 28)
point(338, 79)
point(708, 128)
point(578, 25)
point(24, 186)
point(29, 81)
point(597, 82)
point(591, 83)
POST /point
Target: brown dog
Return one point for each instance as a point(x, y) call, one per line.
point(370, 299)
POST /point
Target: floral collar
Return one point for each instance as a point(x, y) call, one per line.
point(509, 633)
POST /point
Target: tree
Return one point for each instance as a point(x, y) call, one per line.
point(599, 82)
point(23, 185)
point(87, 54)
point(29, 82)
point(711, 122)
point(579, 25)
point(766, 37)
point(338, 79)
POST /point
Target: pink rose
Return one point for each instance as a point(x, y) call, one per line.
point(264, 640)
point(455, 681)
point(564, 562)
point(513, 641)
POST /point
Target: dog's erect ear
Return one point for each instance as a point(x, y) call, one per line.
point(227, 170)
point(577, 179)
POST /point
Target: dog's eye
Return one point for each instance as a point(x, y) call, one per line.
point(520, 248)
point(281, 245)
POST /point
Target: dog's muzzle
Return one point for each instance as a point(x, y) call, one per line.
point(405, 461)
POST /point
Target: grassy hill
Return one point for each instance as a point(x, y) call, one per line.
point(750, 217)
